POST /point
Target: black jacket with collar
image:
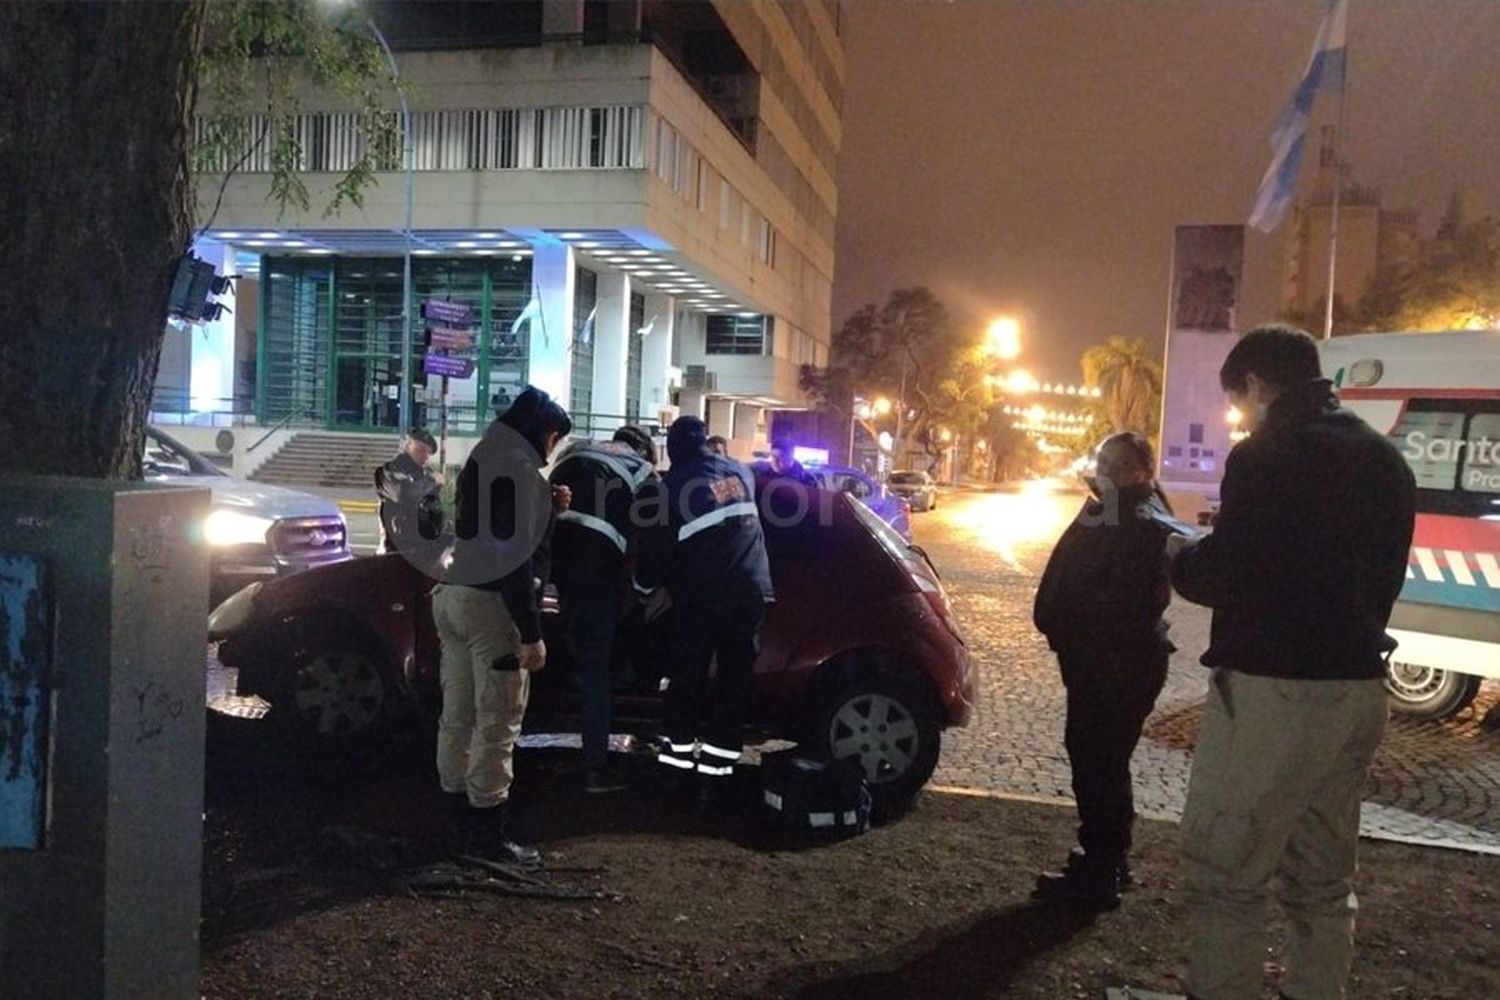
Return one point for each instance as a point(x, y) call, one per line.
point(1106, 584)
point(1311, 545)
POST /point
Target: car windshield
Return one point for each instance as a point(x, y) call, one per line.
point(909, 478)
point(164, 458)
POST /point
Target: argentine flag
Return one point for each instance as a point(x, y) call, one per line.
point(1325, 71)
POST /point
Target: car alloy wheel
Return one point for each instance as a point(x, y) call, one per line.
point(1428, 692)
point(880, 731)
point(338, 693)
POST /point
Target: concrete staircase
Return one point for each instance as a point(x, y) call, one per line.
point(338, 461)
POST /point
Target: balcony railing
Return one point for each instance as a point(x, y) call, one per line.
point(567, 138)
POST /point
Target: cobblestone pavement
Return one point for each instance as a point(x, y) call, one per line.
point(1431, 782)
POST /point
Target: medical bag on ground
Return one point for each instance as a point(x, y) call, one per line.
point(820, 798)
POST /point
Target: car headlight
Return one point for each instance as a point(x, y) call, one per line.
point(233, 613)
point(230, 527)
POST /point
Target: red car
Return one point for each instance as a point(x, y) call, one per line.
point(860, 654)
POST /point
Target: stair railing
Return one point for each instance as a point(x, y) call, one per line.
point(278, 426)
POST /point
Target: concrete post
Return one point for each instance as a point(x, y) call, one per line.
point(612, 335)
point(104, 586)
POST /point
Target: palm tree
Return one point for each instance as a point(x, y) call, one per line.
point(1129, 379)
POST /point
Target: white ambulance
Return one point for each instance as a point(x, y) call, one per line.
point(1437, 396)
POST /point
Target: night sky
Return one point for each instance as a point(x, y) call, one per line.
point(1034, 157)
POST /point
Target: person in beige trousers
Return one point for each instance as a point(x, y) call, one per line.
point(1301, 570)
point(487, 613)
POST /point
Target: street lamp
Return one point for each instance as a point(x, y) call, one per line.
point(1004, 338)
point(407, 165)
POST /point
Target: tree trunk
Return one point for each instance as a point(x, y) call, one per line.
point(94, 215)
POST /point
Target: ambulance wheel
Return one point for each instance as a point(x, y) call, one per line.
point(894, 731)
point(1427, 692)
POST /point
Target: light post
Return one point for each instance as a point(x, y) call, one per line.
point(407, 155)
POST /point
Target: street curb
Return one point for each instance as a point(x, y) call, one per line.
point(1048, 800)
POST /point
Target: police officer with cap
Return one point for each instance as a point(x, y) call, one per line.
point(604, 479)
point(410, 508)
point(704, 544)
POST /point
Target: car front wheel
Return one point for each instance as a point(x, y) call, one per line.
point(329, 692)
point(892, 730)
point(1428, 692)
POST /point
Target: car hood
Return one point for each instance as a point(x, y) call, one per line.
point(275, 502)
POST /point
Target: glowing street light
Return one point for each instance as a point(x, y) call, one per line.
point(1020, 382)
point(1004, 338)
point(1234, 417)
point(882, 406)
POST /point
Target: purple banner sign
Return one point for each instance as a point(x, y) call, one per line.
point(447, 365)
point(449, 313)
point(445, 338)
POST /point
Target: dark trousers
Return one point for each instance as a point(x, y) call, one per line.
point(708, 709)
point(592, 608)
point(1109, 697)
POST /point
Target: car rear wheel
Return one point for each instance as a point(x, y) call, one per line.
point(894, 732)
point(1428, 692)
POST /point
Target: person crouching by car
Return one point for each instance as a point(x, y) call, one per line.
point(703, 542)
point(1100, 606)
point(588, 560)
point(410, 506)
point(487, 613)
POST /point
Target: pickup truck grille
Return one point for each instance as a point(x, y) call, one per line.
point(308, 539)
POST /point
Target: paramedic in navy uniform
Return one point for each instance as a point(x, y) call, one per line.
point(703, 542)
point(1301, 571)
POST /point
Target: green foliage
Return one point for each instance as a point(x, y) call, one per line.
point(1130, 382)
point(258, 58)
point(913, 334)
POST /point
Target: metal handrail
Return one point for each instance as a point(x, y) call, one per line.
point(278, 426)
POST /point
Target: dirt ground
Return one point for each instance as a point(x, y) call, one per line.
point(301, 900)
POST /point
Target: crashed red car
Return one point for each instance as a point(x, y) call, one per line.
point(860, 655)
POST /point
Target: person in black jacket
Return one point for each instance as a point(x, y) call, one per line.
point(1100, 606)
point(1301, 570)
point(589, 547)
point(488, 618)
point(705, 545)
point(411, 510)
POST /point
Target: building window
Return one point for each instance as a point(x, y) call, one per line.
point(745, 212)
point(726, 204)
point(585, 300)
point(1195, 433)
point(738, 335)
point(766, 247)
point(702, 194)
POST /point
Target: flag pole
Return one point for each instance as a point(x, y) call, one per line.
point(1338, 190)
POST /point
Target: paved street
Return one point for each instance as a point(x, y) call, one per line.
point(1432, 782)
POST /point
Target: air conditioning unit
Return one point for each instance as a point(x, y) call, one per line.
point(699, 377)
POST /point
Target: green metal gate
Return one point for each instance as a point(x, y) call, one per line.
point(330, 344)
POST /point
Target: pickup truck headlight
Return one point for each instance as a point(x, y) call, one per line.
point(230, 527)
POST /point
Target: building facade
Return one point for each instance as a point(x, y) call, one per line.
point(634, 201)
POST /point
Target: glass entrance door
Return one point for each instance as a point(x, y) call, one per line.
point(366, 390)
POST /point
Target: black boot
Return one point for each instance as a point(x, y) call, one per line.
point(1091, 883)
point(491, 839)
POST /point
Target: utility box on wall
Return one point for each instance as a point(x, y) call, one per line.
point(103, 611)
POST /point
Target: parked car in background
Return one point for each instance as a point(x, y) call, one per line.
point(860, 655)
point(916, 488)
point(256, 531)
point(887, 506)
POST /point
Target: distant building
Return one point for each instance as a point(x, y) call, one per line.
point(636, 200)
point(1371, 237)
